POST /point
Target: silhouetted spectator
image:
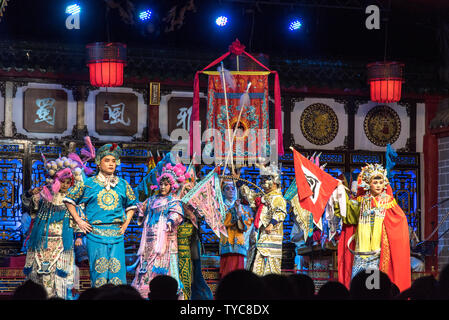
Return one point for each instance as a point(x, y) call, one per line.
point(333, 290)
point(279, 287)
point(364, 286)
point(424, 288)
point(394, 291)
point(303, 285)
point(117, 292)
point(163, 288)
point(88, 294)
point(443, 283)
point(30, 290)
point(241, 285)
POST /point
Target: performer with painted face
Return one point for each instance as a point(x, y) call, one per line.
point(161, 215)
point(232, 248)
point(375, 233)
point(265, 253)
point(110, 204)
point(50, 256)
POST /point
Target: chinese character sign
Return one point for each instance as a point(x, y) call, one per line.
point(116, 114)
point(45, 110)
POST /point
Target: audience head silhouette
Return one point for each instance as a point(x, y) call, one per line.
point(370, 285)
point(333, 290)
point(279, 287)
point(30, 290)
point(240, 285)
point(303, 285)
point(163, 287)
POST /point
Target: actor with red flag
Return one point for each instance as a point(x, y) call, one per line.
point(314, 185)
point(375, 232)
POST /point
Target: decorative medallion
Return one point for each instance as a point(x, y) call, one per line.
point(382, 125)
point(101, 265)
point(319, 124)
point(114, 265)
point(116, 281)
point(100, 282)
point(107, 200)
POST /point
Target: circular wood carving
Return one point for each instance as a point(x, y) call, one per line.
point(382, 125)
point(319, 124)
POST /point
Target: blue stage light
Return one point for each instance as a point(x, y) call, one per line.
point(294, 25)
point(221, 21)
point(145, 15)
point(73, 9)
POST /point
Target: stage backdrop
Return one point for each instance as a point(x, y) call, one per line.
point(255, 116)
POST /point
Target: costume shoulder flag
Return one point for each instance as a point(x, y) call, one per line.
point(314, 185)
point(207, 199)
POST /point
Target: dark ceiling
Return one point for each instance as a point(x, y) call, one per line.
point(332, 29)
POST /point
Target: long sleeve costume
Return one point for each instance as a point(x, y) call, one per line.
point(379, 228)
point(158, 249)
point(50, 256)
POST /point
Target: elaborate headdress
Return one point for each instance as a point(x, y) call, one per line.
point(66, 167)
point(110, 149)
point(371, 171)
point(272, 171)
point(176, 175)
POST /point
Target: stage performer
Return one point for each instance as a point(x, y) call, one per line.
point(161, 215)
point(232, 248)
point(265, 252)
point(375, 231)
point(50, 257)
point(110, 204)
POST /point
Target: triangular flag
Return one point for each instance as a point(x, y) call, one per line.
point(314, 186)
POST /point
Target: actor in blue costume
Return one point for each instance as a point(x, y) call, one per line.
point(50, 256)
point(110, 204)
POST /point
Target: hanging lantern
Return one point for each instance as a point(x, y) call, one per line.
point(385, 79)
point(106, 62)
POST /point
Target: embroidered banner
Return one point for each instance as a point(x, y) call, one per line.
point(247, 144)
point(207, 199)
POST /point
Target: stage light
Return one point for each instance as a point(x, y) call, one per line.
point(221, 21)
point(145, 15)
point(294, 25)
point(73, 9)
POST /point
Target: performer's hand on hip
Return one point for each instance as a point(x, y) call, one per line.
point(123, 228)
point(84, 226)
point(78, 242)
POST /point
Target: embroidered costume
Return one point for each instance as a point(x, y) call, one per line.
point(50, 255)
point(375, 234)
point(233, 249)
point(106, 201)
point(265, 253)
point(158, 249)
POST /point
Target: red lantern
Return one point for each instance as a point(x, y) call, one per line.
point(106, 62)
point(385, 79)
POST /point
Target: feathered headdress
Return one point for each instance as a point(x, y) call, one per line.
point(62, 168)
point(176, 175)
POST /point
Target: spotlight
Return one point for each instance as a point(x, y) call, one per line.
point(145, 15)
point(73, 9)
point(294, 25)
point(221, 21)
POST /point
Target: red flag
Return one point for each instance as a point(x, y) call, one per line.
point(314, 185)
